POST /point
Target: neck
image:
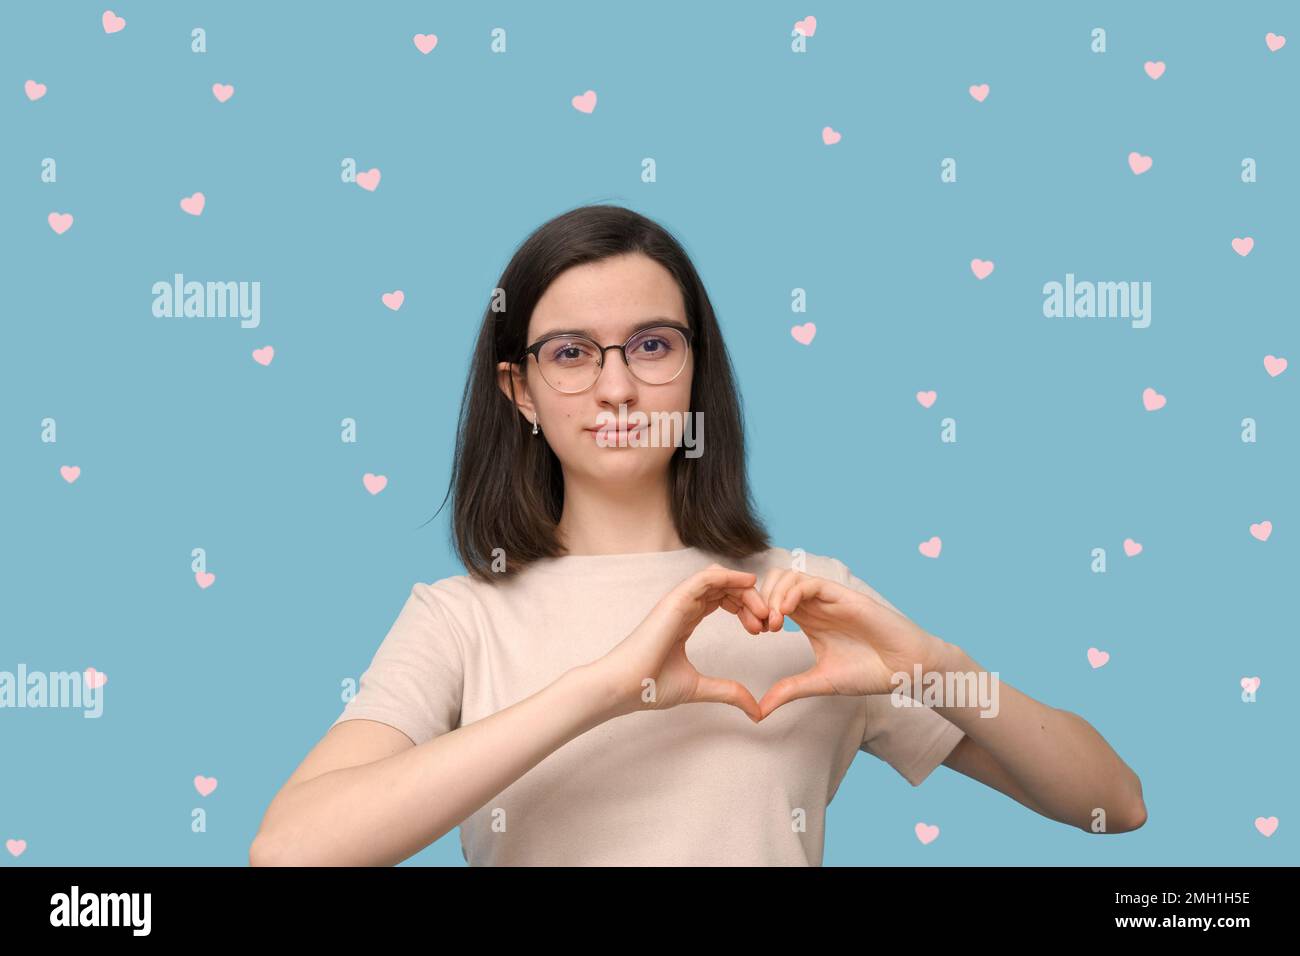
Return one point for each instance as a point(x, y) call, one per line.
point(625, 518)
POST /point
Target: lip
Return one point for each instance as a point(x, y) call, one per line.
point(615, 432)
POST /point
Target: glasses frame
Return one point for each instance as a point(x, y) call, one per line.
point(687, 333)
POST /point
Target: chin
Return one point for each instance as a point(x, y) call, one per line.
point(624, 461)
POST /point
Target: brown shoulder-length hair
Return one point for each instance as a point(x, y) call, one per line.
point(508, 484)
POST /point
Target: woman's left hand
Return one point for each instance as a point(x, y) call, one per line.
point(860, 643)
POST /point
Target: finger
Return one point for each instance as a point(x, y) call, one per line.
point(716, 576)
point(754, 605)
point(752, 624)
point(722, 691)
point(789, 596)
point(795, 591)
point(809, 683)
point(696, 598)
point(709, 604)
point(776, 583)
point(749, 608)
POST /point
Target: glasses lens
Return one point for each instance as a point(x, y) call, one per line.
point(569, 364)
point(656, 356)
point(572, 363)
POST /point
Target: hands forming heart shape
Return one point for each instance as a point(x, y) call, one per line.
point(859, 642)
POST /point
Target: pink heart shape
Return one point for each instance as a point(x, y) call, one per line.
point(1266, 825)
point(70, 473)
point(927, 398)
point(204, 785)
point(1275, 41)
point(1097, 658)
point(374, 483)
point(1152, 400)
point(806, 27)
point(585, 103)
point(34, 90)
point(1131, 547)
point(263, 355)
point(394, 300)
point(982, 268)
point(926, 833)
point(803, 334)
point(60, 222)
point(204, 578)
point(1262, 530)
point(1154, 70)
point(980, 92)
point(194, 204)
point(1242, 247)
point(112, 22)
point(931, 548)
point(425, 42)
point(369, 180)
point(1250, 683)
point(95, 678)
point(16, 847)
point(1274, 366)
point(830, 136)
point(222, 91)
point(1138, 163)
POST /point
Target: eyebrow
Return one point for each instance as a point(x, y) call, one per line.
point(639, 327)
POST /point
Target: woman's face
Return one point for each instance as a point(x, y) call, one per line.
point(608, 299)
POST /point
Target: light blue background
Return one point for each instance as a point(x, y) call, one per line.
point(185, 442)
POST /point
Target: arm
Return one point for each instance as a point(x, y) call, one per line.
point(366, 795)
point(1050, 760)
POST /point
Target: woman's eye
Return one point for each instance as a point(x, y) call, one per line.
point(568, 352)
point(653, 347)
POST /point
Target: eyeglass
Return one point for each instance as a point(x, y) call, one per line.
point(572, 363)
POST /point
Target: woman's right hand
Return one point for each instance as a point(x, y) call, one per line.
point(649, 670)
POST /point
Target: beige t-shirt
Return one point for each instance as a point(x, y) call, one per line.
point(697, 784)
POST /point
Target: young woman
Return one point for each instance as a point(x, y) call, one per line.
point(536, 701)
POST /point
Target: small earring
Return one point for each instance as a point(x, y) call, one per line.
point(534, 423)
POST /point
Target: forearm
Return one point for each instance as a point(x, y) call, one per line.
point(1056, 758)
point(380, 813)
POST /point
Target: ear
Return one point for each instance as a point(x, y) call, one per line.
point(510, 375)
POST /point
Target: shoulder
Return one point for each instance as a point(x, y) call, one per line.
point(463, 596)
point(819, 565)
point(797, 559)
point(449, 593)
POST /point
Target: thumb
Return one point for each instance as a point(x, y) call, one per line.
point(794, 687)
point(722, 691)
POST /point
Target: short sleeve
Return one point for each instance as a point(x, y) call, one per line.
point(416, 677)
point(914, 739)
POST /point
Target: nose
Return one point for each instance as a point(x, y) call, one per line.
point(616, 384)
